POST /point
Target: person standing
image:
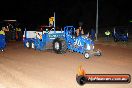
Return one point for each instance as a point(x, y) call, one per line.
point(79, 31)
point(92, 34)
point(107, 34)
point(2, 32)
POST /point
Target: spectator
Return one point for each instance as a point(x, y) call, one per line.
point(107, 35)
point(92, 34)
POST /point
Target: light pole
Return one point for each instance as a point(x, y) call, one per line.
point(97, 22)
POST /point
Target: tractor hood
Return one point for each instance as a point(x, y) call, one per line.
point(87, 41)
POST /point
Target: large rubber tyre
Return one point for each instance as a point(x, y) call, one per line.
point(28, 44)
point(33, 45)
point(59, 46)
point(81, 80)
point(98, 53)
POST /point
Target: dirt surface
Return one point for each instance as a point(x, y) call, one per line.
point(128, 44)
point(26, 68)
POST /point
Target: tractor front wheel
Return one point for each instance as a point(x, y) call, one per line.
point(87, 55)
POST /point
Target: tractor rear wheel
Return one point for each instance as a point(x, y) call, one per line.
point(59, 46)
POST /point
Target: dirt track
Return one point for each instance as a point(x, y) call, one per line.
point(25, 68)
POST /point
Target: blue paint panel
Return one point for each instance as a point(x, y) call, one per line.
point(2, 41)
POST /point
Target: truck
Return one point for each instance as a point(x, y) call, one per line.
point(120, 34)
point(60, 41)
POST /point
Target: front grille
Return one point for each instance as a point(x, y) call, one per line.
point(91, 47)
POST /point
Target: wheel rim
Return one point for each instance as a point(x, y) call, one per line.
point(57, 45)
point(86, 55)
point(99, 53)
point(33, 46)
point(27, 44)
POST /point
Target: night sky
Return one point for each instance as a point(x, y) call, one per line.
point(68, 12)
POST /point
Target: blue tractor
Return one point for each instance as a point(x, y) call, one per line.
point(81, 44)
point(60, 41)
point(2, 42)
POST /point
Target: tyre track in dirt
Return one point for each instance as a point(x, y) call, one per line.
point(36, 69)
point(25, 68)
point(13, 75)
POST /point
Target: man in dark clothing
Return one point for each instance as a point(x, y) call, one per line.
point(92, 33)
point(79, 31)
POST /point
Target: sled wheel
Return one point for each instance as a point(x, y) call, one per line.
point(98, 53)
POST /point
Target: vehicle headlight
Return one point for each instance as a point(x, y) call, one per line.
point(89, 47)
point(93, 46)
